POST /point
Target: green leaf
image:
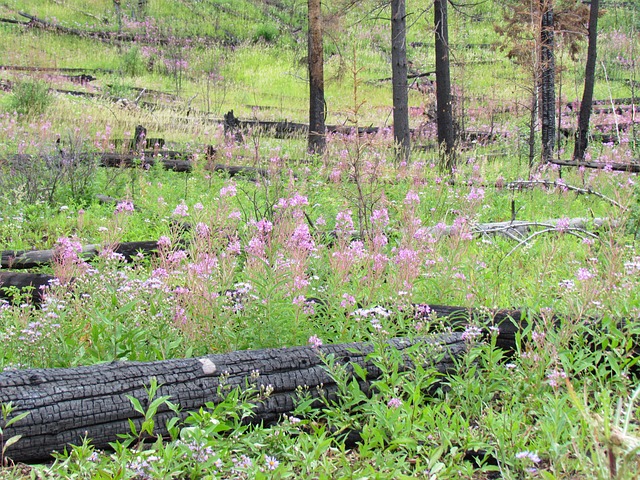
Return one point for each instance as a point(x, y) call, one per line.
point(17, 418)
point(10, 442)
point(136, 404)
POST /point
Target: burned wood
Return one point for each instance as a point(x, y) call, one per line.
point(409, 77)
point(234, 170)
point(110, 36)
point(171, 160)
point(618, 167)
point(24, 259)
point(19, 68)
point(67, 405)
point(519, 229)
point(32, 284)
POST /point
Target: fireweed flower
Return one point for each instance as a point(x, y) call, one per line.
point(347, 300)
point(315, 341)
point(475, 194)
point(264, 226)
point(202, 230)
point(181, 210)
point(471, 333)
point(584, 274)
point(555, 376)
point(228, 191)
point(124, 207)
point(380, 218)
point(411, 198)
point(344, 222)
point(562, 225)
point(301, 238)
point(164, 242)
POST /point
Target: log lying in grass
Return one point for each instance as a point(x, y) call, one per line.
point(107, 36)
point(22, 282)
point(618, 167)
point(171, 160)
point(236, 170)
point(22, 68)
point(518, 229)
point(23, 259)
point(67, 405)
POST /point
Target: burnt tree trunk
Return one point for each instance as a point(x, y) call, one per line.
point(589, 83)
point(401, 132)
point(317, 106)
point(532, 126)
point(443, 86)
point(67, 405)
point(547, 81)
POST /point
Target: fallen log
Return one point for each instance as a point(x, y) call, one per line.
point(23, 68)
point(618, 167)
point(21, 283)
point(171, 160)
point(249, 172)
point(23, 259)
point(111, 36)
point(68, 405)
point(518, 229)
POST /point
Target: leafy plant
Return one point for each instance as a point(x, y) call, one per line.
point(5, 443)
point(30, 98)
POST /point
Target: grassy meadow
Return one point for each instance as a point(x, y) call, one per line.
point(365, 235)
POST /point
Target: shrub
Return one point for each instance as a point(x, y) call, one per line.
point(30, 97)
point(131, 62)
point(265, 32)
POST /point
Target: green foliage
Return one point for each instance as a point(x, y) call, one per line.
point(30, 98)
point(7, 409)
point(561, 403)
point(131, 63)
point(266, 32)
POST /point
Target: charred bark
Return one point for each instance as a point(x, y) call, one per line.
point(446, 137)
point(589, 83)
point(168, 159)
point(317, 105)
point(547, 81)
point(401, 132)
point(67, 405)
point(23, 259)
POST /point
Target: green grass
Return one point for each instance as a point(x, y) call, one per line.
point(503, 405)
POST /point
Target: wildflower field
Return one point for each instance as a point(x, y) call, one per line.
point(291, 249)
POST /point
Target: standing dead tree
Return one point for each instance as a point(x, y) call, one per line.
point(446, 136)
point(317, 105)
point(399, 69)
point(589, 83)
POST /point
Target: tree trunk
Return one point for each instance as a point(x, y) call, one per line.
point(532, 125)
point(443, 86)
point(67, 405)
point(401, 132)
point(317, 105)
point(589, 83)
point(547, 79)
